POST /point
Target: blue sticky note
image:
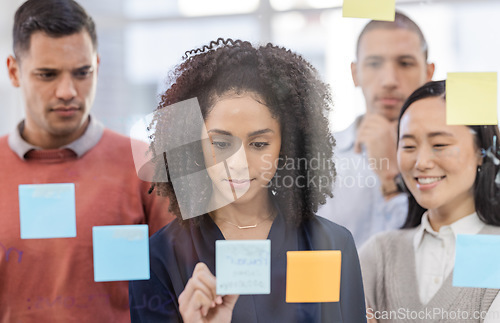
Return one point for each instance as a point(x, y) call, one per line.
point(243, 267)
point(47, 211)
point(121, 252)
point(476, 261)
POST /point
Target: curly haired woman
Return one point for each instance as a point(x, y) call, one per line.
point(266, 149)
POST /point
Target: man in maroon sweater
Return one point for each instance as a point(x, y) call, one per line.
point(55, 65)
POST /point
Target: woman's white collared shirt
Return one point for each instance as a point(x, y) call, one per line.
point(435, 255)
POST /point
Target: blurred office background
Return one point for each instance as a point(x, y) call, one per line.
point(140, 41)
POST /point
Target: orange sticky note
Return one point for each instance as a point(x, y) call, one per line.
point(313, 276)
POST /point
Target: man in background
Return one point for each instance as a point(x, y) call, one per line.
point(55, 65)
point(391, 62)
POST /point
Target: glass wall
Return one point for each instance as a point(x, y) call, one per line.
point(140, 41)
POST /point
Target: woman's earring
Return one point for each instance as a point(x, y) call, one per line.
point(273, 184)
point(286, 162)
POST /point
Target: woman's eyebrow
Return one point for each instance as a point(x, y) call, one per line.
point(439, 133)
point(259, 132)
point(250, 134)
point(221, 132)
point(407, 136)
point(430, 135)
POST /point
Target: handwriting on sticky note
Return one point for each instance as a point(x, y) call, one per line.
point(471, 99)
point(243, 267)
point(121, 252)
point(313, 276)
point(47, 211)
point(476, 261)
point(371, 9)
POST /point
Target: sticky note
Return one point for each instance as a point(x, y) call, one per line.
point(243, 267)
point(476, 261)
point(47, 211)
point(371, 9)
point(471, 98)
point(121, 252)
point(313, 276)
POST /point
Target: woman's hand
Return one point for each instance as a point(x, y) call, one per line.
point(199, 302)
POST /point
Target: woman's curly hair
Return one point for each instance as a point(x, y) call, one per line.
point(292, 90)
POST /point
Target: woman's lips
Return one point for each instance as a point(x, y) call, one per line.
point(239, 183)
point(428, 182)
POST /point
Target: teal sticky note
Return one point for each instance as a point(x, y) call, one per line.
point(47, 211)
point(243, 267)
point(476, 261)
point(121, 252)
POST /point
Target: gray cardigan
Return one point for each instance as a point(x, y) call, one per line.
point(390, 283)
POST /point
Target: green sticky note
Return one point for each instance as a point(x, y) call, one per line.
point(371, 9)
point(471, 98)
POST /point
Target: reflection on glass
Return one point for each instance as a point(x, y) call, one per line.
point(196, 162)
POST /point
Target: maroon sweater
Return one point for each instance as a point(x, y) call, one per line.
point(52, 280)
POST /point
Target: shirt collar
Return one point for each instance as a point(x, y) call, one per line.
point(470, 224)
point(80, 146)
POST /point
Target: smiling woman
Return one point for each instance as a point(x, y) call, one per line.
point(440, 182)
point(261, 107)
point(456, 157)
point(452, 190)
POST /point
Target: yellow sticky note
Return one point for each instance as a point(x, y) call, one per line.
point(371, 9)
point(313, 276)
point(471, 98)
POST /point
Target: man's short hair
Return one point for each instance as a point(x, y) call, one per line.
point(401, 21)
point(56, 18)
